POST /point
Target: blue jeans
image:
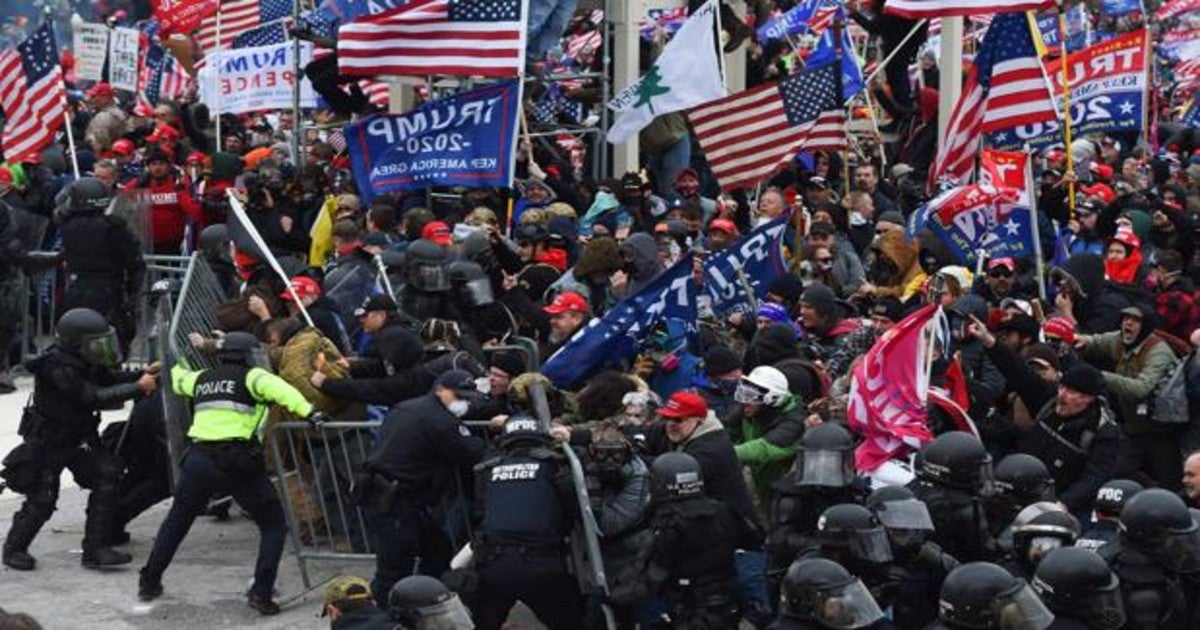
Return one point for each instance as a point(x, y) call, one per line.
point(547, 21)
point(751, 580)
point(200, 478)
point(666, 166)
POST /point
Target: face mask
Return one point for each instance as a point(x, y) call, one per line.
point(458, 408)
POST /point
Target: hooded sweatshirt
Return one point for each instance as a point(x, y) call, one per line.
point(903, 254)
point(642, 253)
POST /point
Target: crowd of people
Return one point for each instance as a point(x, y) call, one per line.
point(1058, 490)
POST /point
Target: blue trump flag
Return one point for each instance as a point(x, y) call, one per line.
point(1117, 8)
point(793, 22)
point(462, 140)
point(972, 220)
point(825, 52)
point(608, 340)
point(758, 254)
point(1191, 116)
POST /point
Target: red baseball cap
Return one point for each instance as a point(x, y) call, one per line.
point(684, 404)
point(304, 287)
point(1061, 328)
point(567, 301)
point(1002, 262)
point(438, 232)
point(163, 132)
point(101, 89)
point(724, 225)
point(6, 176)
point(1101, 190)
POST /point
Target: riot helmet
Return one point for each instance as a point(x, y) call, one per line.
point(905, 517)
point(1076, 582)
point(522, 429)
point(425, 267)
point(764, 385)
point(472, 283)
point(86, 333)
point(958, 460)
point(823, 591)
point(1044, 533)
point(675, 476)
point(1158, 523)
point(1020, 480)
point(853, 527)
point(86, 196)
point(214, 240)
point(237, 348)
point(423, 603)
point(1112, 496)
point(609, 452)
point(984, 595)
point(826, 457)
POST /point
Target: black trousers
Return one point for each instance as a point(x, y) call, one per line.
point(542, 583)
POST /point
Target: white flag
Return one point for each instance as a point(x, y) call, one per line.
point(686, 74)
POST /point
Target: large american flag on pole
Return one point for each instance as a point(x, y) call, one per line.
point(939, 8)
point(237, 17)
point(459, 37)
point(748, 135)
point(32, 95)
point(1007, 87)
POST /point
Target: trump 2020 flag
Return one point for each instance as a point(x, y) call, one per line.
point(686, 74)
point(825, 52)
point(606, 341)
point(462, 140)
point(759, 256)
point(807, 16)
point(977, 220)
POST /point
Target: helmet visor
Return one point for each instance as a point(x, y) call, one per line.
point(101, 349)
point(749, 394)
point(433, 278)
point(479, 292)
point(1021, 610)
point(445, 615)
point(906, 514)
point(1106, 609)
point(871, 545)
point(987, 480)
point(849, 606)
point(1180, 551)
point(825, 468)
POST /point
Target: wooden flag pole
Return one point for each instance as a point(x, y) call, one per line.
point(1066, 100)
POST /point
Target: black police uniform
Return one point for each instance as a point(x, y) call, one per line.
point(529, 507)
point(421, 447)
point(60, 431)
point(104, 259)
point(819, 593)
point(948, 472)
point(793, 516)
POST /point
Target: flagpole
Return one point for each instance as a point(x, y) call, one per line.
point(217, 81)
point(1039, 261)
point(838, 25)
point(296, 78)
point(70, 139)
point(883, 64)
point(1066, 99)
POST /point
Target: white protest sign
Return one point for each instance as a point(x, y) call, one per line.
point(91, 48)
point(123, 59)
point(254, 79)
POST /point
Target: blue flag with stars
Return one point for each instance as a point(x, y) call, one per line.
point(267, 35)
point(605, 342)
point(1191, 116)
point(759, 256)
point(462, 140)
point(826, 52)
point(795, 21)
point(971, 221)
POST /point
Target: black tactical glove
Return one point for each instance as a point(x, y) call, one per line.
point(317, 419)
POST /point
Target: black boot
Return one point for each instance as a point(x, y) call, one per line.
point(26, 524)
point(263, 605)
point(18, 560)
point(148, 590)
point(104, 557)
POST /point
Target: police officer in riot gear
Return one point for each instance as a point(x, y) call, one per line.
point(73, 381)
point(924, 565)
point(473, 295)
point(1079, 588)
point(103, 257)
point(1106, 509)
point(1157, 544)
point(226, 458)
point(822, 476)
point(982, 595)
point(1020, 479)
point(426, 290)
point(852, 536)
point(819, 593)
point(689, 562)
point(953, 475)
point(419, 602)
point(1041, 535)
point(528, 509)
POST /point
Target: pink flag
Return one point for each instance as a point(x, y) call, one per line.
point(888, 392)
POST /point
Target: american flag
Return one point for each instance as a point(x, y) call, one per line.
point(463, 37)
point(1006, 87)
point(939, 8)
point(577, 43)
point(237, 17)
point(32, 95)
point(377, 92)
point(160, 76)
point(265, 35)
point(746, 136)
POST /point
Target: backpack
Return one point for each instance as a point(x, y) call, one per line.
point(1168, 401)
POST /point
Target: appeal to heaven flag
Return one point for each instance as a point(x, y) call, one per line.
point(686, 74)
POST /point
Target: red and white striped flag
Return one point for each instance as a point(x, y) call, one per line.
point(376, 91)
point(464, 38)
point(747, 136)
point(32, 95)
point(237, 17)
point(946, 8)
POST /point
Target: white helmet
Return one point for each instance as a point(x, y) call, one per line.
point(764, 385)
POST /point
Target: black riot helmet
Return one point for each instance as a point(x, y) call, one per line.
point(984, 595)
point(958, 460)
point(1112, 496)
point(214, 240)
point(425, 266)
point(1042, 534)
point(1076, 582)
point(521, 429)
point(87, 334)
point(471, 283)
point(87, 196)
point(423, 603)
point(237, 348)
point(1157, 523)
point(675, 476)
point(826, 457)
point(853, 527)
point(1025, 478)
point(905, 517)
point(823, 591)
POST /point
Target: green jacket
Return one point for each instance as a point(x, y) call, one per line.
point(225, 423)
point(1135, 373)
point(767, 447)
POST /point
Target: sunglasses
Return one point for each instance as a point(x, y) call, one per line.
point(1000, 272)
point(823, 261)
